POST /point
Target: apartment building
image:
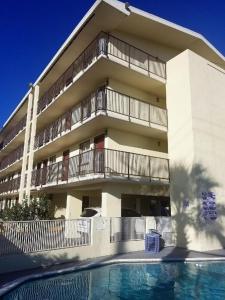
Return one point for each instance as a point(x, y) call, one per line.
point(129, 114)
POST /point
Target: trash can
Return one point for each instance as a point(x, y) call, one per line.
point(152, 241)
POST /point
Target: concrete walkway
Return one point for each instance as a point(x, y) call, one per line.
point(11, 280)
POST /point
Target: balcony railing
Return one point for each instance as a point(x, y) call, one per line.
point(12, 157)
point(105, 162)
point(10, 185)
point(111, 47)
point(110, 102)
point(14, 131)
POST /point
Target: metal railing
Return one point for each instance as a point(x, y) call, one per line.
point(111, 47)
point(134, 108)
point(107, 162)
point(14, 131)
point(10, 185)
point(108, 101)
point(12, 157)
point(33, 236)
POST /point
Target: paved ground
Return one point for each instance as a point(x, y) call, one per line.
point(171, 253)
point(10, 280)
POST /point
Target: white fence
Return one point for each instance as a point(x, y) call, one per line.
point(135, 228)
point(123, 229)
point(34, 236)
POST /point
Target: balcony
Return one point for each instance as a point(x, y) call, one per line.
point(14, 132)
point(10, 186)
point(10, 159)
point(103, 164)
point(112, 48)
point(109, 103)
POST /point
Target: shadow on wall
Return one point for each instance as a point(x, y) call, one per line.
point(18, 260)
point(187, 187)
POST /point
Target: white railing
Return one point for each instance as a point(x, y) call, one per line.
point(33, 236)
point(135, 228)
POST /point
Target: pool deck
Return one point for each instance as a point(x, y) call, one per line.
point(169, 254)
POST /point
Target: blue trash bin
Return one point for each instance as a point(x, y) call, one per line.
point(152, 241)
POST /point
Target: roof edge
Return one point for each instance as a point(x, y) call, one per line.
point(177, 27)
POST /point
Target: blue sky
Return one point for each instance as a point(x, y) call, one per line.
point(32, 31)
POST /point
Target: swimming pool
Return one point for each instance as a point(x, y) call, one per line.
point(131, 281)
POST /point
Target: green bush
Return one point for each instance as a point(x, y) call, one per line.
point(35, 209)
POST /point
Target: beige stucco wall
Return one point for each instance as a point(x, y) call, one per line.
point(196, 114)
point(59, 204)
point(63, 204)
point(136, 93)
point(125, 141)
point(155, 49)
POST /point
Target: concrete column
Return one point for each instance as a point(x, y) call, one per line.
point(73, 205)
point(111, 201)
point(32, 141)
point(26, 146)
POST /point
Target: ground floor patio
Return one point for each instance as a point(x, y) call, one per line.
point(111, 198)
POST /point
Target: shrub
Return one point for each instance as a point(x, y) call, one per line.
point(35, 209)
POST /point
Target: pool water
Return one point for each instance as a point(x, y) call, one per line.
point(131, 281)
